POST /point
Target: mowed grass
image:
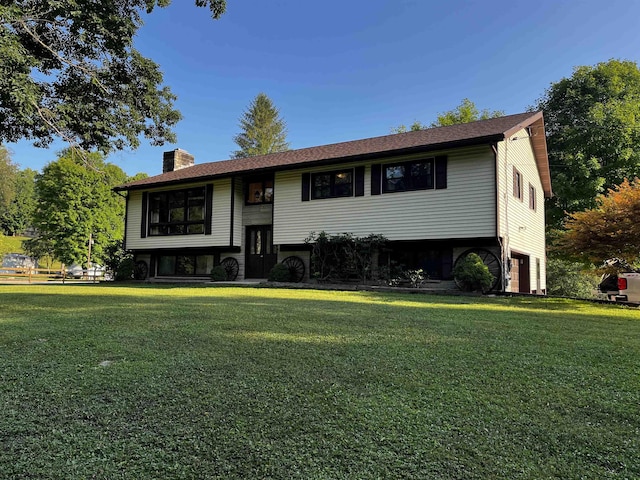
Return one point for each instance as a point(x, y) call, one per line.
point(132, 382)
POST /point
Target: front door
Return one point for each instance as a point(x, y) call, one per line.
point(260, 256)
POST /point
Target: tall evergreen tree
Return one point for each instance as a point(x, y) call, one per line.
point(263, 131)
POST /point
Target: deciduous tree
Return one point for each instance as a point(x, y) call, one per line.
point(18, 216)
point(69, 69)
point(593, 134)
point(263, 131)
point(8, 172)
point(464, 113)
point(75, 202)
point(611, 229)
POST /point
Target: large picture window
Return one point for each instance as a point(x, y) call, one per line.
point(332, 184)
point(414, 175)
point(178, 212)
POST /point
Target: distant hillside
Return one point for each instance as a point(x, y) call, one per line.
point(11, 244)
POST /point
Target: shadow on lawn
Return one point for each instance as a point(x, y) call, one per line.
point(148, 300)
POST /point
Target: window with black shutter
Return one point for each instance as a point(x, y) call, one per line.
point(177, 212)
point(406, 176)
point(332, 184)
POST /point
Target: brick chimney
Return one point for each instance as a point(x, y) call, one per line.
point(176, 159)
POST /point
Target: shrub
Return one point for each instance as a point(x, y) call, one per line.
point(218, 274)
point(472, 274)
point(343, 257)
point(124, 270)
point(570, 279)
point(416, 277)
point(118, 261)
point(280, 273)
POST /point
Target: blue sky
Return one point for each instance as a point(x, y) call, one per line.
point(344, 70)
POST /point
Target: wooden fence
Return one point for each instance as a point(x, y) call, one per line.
point(26, 274)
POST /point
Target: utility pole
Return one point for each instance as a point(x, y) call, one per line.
point(89, 256)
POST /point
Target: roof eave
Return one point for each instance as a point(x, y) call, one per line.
point(485, 140)
point(539, 142)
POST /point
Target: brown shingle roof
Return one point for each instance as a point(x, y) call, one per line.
point(475, 133)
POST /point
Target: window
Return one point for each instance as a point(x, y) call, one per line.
point(332, 184)
point(415, 175)
point(517, 184)
point(259, 191)
point(532, 197)
point(185, 265)
point(178, 212)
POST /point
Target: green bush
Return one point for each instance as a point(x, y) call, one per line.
point(118, 261)
point(218, 274)
point(472, 274)
point(343, 257)
point(280, 273)
point(570, 279)
point(124, 270)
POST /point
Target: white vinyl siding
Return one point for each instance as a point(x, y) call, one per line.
point(220, 231)
point(465, 209)
point(257, 214)
point(522, 229)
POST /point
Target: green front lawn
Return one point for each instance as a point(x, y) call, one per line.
point(115, 382)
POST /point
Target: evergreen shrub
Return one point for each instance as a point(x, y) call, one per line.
point(218, 274)
point(280, 273)
point(472, 274)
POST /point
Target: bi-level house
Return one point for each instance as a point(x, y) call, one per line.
point(435, 194)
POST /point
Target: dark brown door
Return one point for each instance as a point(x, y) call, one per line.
point(260, 256)
point(520, 273)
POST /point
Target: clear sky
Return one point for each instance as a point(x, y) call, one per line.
point(351, 69)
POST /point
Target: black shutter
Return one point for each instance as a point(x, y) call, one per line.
point(306, 186)
point(359, 182)
point(441, 172)
point(232, 210)
point(208, 208)
point(376, 173)
point(447, 264)
point(145, 214)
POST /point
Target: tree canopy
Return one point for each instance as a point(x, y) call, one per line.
point(68, 69)
point(263, 131)
point(593, 134)
point(18, 216)
point(464, 113)
point(8, 173)
point(74, 201)
point(611, 229)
